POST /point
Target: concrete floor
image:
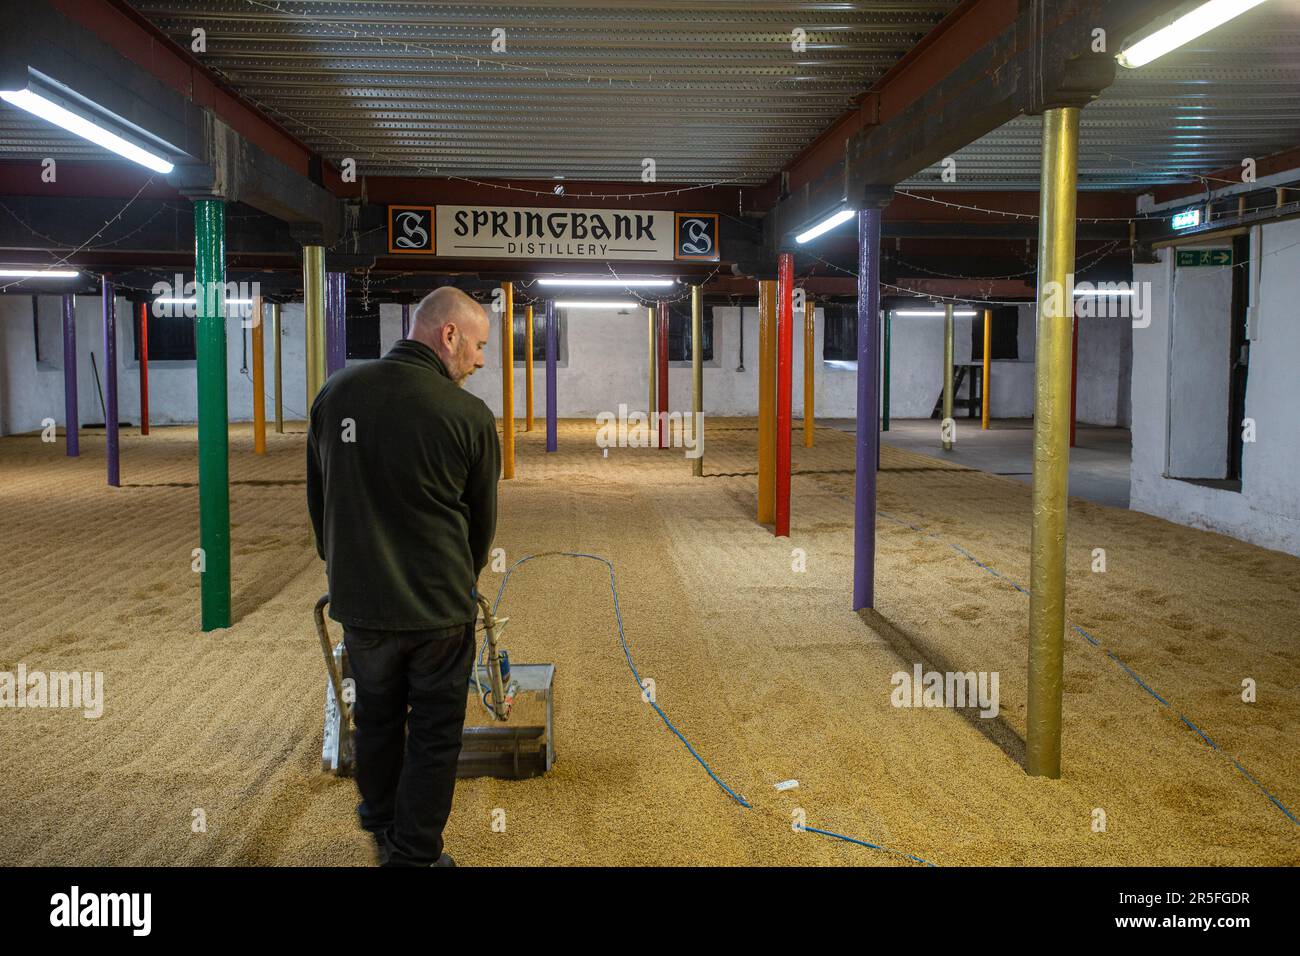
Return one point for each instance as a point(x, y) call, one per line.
point(1099, 462)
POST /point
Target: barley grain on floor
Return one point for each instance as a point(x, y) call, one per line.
point(766, 670)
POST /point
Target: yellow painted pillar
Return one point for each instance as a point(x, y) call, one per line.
point(508, 381)
point(651, 401)
point(697, 377)
point(767, 401)
point(528, 370)
point(259, 385)
point(948, 421)
point(313, 286)
point(1056, 226)
point(988, 354)
point(809, 342)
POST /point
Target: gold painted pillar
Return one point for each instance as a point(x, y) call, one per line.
point(1051, 440)
point(508, 381)
point(313, 286)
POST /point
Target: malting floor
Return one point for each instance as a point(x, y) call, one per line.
point(764, 668)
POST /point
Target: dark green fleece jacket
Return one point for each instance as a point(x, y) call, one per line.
point(402, 469)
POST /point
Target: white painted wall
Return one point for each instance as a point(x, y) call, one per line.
point(1200, 335)
point(31, 392)
point(605, 366)
point(1267, 509)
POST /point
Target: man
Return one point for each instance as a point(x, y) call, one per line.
point(402, 469)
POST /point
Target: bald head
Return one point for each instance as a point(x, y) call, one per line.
point(455, 327)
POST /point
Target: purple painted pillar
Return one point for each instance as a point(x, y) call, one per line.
point(71, 424)
point(406, 319)
point(552, 354)
point(868, 443)
point(110, 382)
point(336, 322)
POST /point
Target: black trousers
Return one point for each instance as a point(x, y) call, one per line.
point(411, 689)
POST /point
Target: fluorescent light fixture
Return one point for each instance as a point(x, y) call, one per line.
point(1099, 293)
point(826, 225)
point(1187, 218)
point(52, 112)
point(1184, 30)
point(609, 283)
point(934, 313)
point(587, 304)
point(38, 274)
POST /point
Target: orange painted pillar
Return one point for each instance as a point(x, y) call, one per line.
point(784, 385)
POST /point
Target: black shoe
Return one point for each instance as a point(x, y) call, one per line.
point(444, 860)
point(381, 848)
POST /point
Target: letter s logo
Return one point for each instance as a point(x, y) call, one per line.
point(696, 241)
point(415, 235)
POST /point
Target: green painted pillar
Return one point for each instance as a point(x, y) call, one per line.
point(214, 466)
point(884, 399)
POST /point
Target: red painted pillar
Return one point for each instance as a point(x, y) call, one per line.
point(1074, 374)
point(144, 368)
point(784, 382)
point(663, 372)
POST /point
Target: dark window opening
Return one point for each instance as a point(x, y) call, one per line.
point(1005, 323)
point(679, 333)
point(36, 326)
point(1239, 361)
point(840, 339)
point(363, 332)
point(171, 337)
point(520, 325)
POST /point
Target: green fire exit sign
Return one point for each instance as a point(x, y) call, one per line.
point(1204, 257)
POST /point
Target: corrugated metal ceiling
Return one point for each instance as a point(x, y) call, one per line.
point(710, 89)
point(1232, 94)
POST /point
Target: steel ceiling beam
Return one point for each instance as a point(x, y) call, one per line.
point(211, 136)
point(952, 95)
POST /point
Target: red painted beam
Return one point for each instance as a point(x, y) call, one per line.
point(135, 38)
point(541, 192)
point(1266, 166)
point(968, 288)
point(944, 48)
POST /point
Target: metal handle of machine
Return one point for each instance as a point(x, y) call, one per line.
point(327, 648)
point(501, 702)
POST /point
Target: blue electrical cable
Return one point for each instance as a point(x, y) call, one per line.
point(627, 653)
